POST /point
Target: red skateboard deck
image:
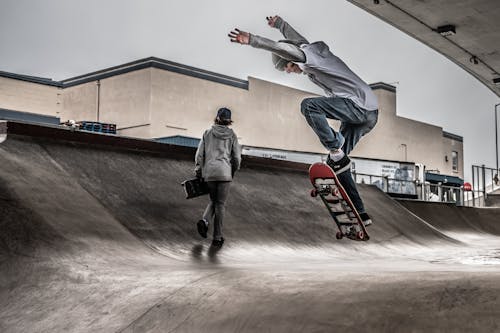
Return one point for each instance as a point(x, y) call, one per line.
point(335, 198)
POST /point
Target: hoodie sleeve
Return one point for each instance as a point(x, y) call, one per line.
point(285, 50)
point(235, 155)
point(199, 158)
point(289, 32)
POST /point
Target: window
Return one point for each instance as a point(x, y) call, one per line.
point(454, 161)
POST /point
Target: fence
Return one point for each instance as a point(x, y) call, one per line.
point(386, 184)
point(485, 182)
point(423, 191)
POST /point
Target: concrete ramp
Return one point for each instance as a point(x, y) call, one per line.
point(96, 236)
point(80, 192)
point(448, 217)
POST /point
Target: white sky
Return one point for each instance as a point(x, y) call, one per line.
point(60, 39)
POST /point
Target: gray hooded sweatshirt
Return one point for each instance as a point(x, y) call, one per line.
point(218, 155)
point(322, 67)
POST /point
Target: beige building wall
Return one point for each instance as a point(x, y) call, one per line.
point(401, 139)
point(272, 118)
point(266, 115)
point(124, 100)
point(30, 97)
point(186, 105)
point(451, 145)
point(152, 103)
point(80, 102)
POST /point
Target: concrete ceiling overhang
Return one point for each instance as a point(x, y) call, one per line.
point(475, 46)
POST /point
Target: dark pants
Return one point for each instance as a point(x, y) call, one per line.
point(355, 123)
point(349, 185)
point(218, 192)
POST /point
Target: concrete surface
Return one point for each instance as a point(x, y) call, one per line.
point(477, 30)
point(100, 239)
point(493, 200)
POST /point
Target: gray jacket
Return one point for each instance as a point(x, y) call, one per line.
point(322, 67)
point(218, 155)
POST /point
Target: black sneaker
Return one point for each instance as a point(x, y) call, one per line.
point(366, 219)
point(340, 166)
point(202, 228)
point(217, 242)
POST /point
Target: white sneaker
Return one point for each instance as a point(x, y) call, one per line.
point(366, 219)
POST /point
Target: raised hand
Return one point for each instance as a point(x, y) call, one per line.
point(271, 20)
point(238, 36)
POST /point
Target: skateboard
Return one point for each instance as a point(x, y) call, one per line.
point(195, 187)
point(338, 203)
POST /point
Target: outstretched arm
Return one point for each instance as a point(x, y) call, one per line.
point(286, 29)
point(285, 50)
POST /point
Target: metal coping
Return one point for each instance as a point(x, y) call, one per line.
point(134, 66)
point(155, 63)
point(60, 133)
point(382, 85)
point(453, 136)
point(32, 79)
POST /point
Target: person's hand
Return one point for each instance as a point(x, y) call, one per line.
point(198, 174)
point(238, 36)
point(271, 20)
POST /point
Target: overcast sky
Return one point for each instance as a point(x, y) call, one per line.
point(60, 39)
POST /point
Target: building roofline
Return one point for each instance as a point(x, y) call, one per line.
point(453, 136)
point(156, 63)
point(151, 62)
point(384, 86)
point(32, 79)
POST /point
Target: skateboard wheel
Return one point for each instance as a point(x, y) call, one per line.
point(360, 235)
point(314, 193)
point(339, 235)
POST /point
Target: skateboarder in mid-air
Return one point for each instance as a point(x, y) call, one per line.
point(348, 98)
point(217, 159)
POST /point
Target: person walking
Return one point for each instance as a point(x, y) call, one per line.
point(348, 98)
point(217, 159)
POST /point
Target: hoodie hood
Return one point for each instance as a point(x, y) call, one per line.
point(222, 132)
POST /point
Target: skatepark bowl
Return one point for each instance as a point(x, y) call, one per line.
point(97, 236)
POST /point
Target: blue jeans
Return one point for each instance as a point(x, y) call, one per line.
point(354, 123)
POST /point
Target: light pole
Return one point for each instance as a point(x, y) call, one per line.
point(496, 142)
point(496, 134)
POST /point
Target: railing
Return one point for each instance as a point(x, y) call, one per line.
point(424, 191)
point(485, 180)
point(387, 184)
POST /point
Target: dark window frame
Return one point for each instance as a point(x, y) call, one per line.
point(454, 161)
